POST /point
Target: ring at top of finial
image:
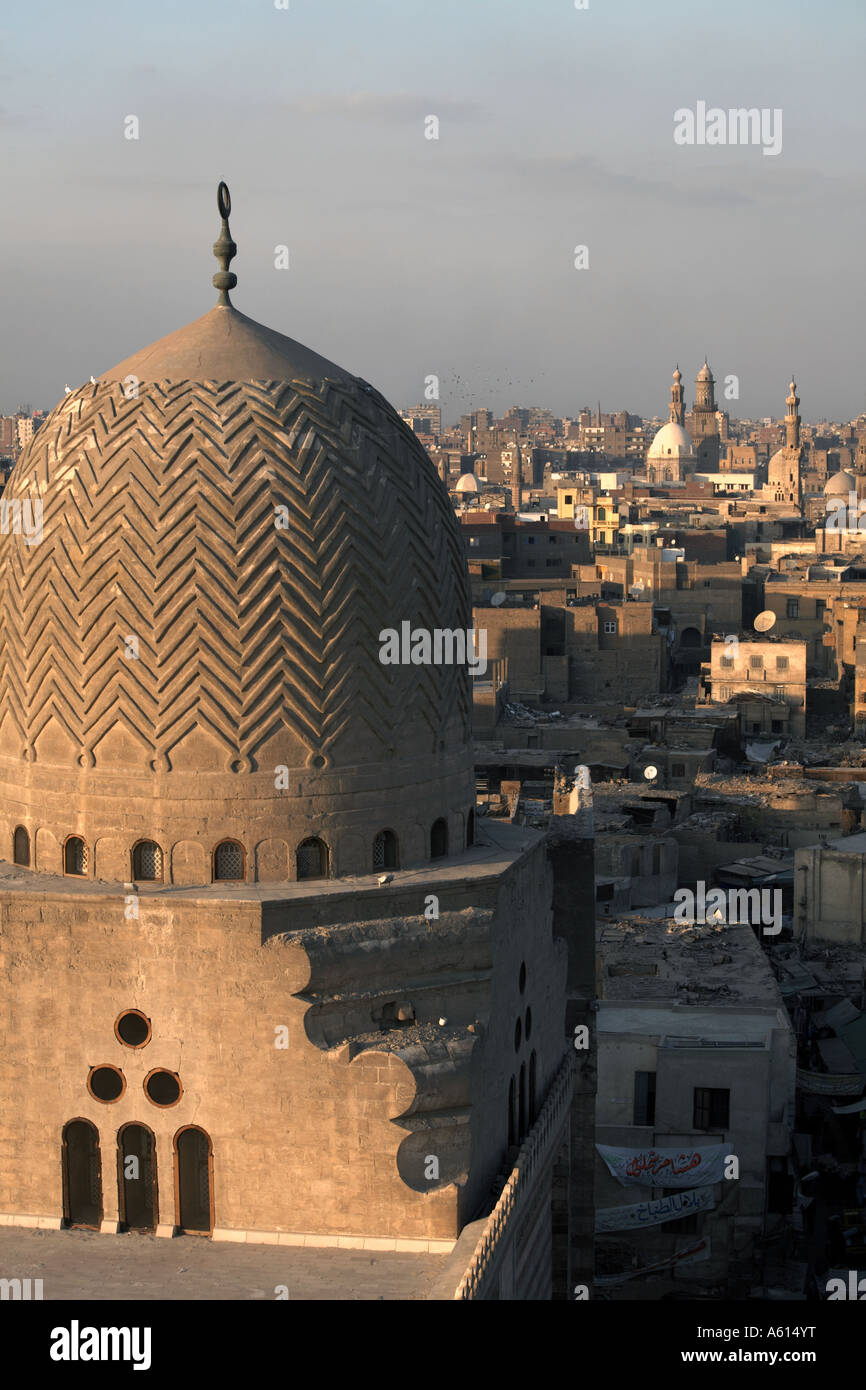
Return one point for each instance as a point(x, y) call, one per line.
point(224, 200)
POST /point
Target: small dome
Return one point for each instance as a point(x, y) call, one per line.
point(672, 441)
point(840, 484)
point(468, 483)
point(705, 374)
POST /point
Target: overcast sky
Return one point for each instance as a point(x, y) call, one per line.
point(454, 257)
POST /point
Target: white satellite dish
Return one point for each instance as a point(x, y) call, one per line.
point(650, 773)
point(497, 599)
point(765, 620)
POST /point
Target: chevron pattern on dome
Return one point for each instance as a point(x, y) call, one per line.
point(159, 537)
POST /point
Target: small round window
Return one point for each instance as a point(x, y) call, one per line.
point(133, 1028)
point(106, 1083)
point(163, 1087)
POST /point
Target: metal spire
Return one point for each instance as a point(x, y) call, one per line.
point(224, 248)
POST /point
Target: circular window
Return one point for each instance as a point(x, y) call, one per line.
point(522, 976)
point(517, 1035)
point(133, 1028)
point(106, 1083)
point(527, 1027)
point(163, 1087)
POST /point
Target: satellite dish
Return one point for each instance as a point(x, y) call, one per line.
point(650, 773)
point(497, 599)
point(765, 620)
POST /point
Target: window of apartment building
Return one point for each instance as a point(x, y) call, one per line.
point(657, 859)
point(777, 727)
point(727, 662)
point(601, 514)
point(530, 540)
point(551, 540)
point(780, 692)
point(756, 663)
point(644, 1098)
point(725, 692)
point(553, 562)
point(707, 583)
point(712, 1108)
point(781, 663)
point(793, 608)
point(678, 769)
point(569, 499)
point(820, 608)
point(474, 540)
point(530, 564)
point(610, 627)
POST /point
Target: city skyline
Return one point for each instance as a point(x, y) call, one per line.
point(410, 256)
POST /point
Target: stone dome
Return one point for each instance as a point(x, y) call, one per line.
point(705, 374)
point(671, 441)
point(468, 483)
point(840, 484)
point(190, 649)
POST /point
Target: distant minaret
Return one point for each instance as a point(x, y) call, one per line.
point(792, 419)
point(678, 405)
point(598, 416)
point(705, 426)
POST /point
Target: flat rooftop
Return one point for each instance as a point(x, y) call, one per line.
point(85, 1265)
point(647, 960)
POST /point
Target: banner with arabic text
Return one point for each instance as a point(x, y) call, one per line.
point(666, 1167)
point(653, 1213)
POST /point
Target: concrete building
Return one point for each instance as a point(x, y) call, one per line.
point(830, 891)
point(767, 678)
point(696, 1054)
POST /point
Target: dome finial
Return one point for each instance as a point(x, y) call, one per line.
point(224, 248)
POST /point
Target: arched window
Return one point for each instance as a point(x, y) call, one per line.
point(21, 846)
point(228, 861)
point(470, 828)
point(521, 1106)
point(82, 1175)
point(193, 1181)
point(385, 850)
point(312, 859)
point(533, 1068)
point(601, 514)
point(137, 1201)
point(75, 856)
point(147, 861)
point(439, 840)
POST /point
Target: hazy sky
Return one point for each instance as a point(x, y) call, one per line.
point(453, 256)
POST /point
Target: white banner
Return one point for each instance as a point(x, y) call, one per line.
point(666, 1167)
point(653, 1213)
point(819, 1083)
